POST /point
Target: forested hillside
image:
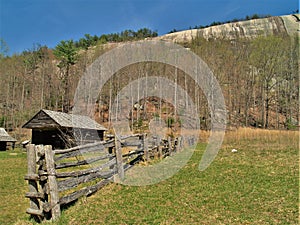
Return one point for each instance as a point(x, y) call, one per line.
point(258, 74)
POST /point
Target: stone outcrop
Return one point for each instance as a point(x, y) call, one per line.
point(288, 24)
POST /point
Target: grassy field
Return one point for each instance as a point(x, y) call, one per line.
point(13, 167)
point(256, 185)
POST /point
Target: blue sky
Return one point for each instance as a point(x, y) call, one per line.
point(47, 22)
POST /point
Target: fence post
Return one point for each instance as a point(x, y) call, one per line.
point(170, 145)
point(54, 195)
point(145, 146)
point(40, 160)
point(159, 148)
point(119, 158)
point(34, 209)
point(181, 142)
point(176, 144)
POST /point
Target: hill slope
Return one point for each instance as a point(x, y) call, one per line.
point(32, 80)
point(245, 29)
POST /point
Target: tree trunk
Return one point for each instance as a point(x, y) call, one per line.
point(66, 101)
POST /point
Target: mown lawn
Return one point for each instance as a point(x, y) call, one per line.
point(256, 185)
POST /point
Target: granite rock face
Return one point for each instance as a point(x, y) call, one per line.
point(288, 24)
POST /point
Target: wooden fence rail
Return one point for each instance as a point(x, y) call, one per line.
point(59, 177)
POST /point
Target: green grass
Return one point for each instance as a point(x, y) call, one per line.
point(13, 167)
point(256, 185)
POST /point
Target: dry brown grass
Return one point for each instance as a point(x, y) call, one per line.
point(261, 137)
point(257, 138)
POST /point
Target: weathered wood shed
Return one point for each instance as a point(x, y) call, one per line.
point(62, 130)
point(5, 138)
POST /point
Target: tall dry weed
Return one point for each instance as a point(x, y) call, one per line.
point(262, 137)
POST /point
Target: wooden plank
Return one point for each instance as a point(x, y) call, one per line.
point(35, 212)
point(105, 144)
point(75, 181)
point(87, 171)
point(84, 191)
point(88, 190)
point(31, 169)
point(137, 159)
point(34, 195)
point(123, 138)
point(82, 162)
point(127, 167)
point(54, 196)
point(34, 177)
point(131, 143)
point(135, 152)
point(80, 152)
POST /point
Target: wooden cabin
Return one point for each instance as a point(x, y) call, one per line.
point(62, 130)
point(5, 138)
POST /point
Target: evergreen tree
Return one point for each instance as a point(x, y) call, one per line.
point(67, 54)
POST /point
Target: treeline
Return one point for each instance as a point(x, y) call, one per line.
point(126, 35)
point(41, 78)
point(259, 78)
point(216, 23)
point(45, 78)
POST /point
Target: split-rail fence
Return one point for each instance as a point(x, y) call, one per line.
point(59, 177)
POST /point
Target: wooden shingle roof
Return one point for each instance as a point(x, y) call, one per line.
point(47, 118)
point(4, 136)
